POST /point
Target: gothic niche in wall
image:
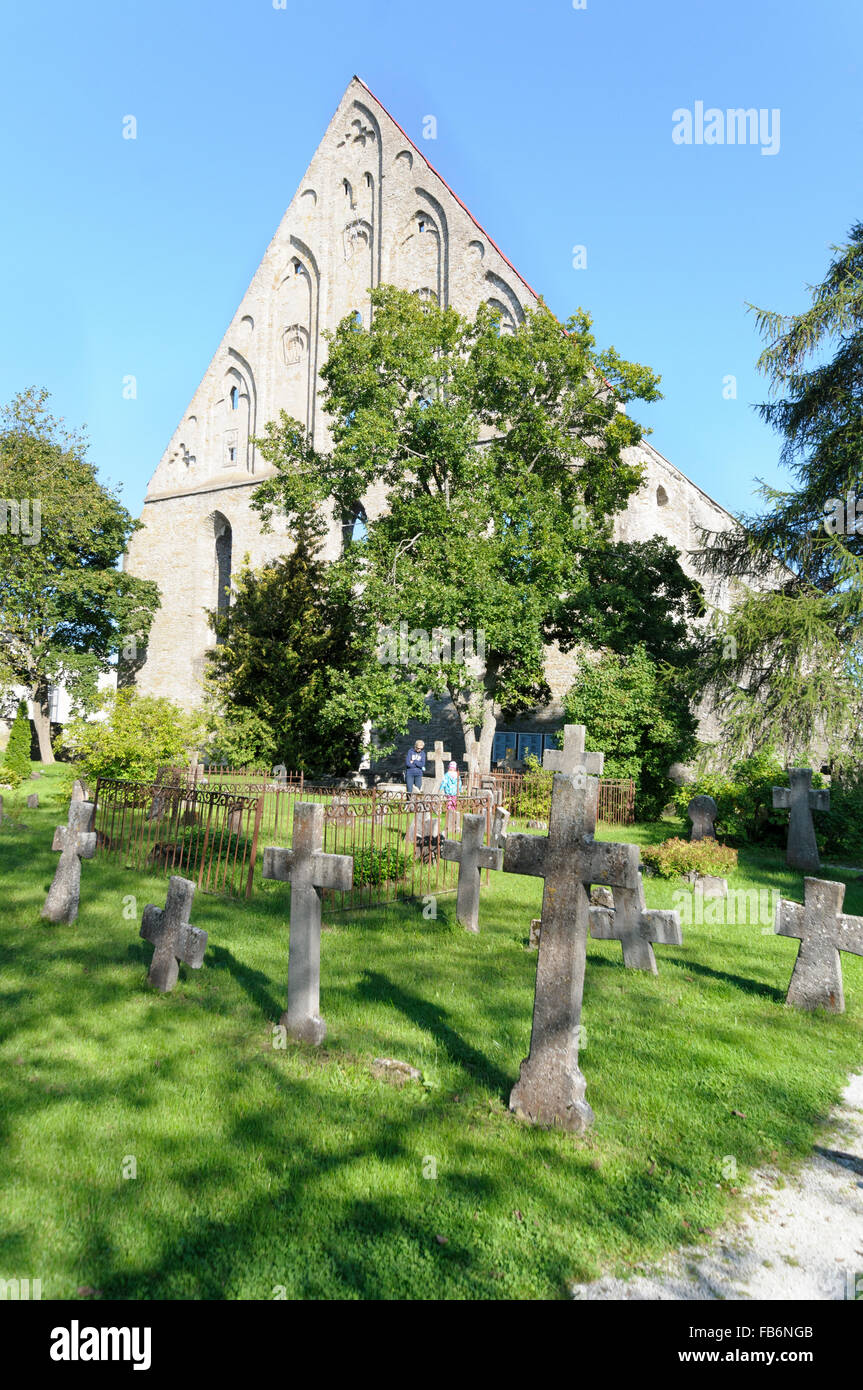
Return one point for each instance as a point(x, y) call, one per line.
point(357, 237)
point(295, 344)
point(222, 556)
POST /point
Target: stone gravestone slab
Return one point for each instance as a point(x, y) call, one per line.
point(33, 802)
point(823, 930)
point(636, 927)
point(308, 870)
point(550, 1089)
point(801, 799)
point(702, 812)
point(74, 842)
point(572, 757)
point(78, 793)
point(172, 934)
point(499, 827)
point(471, 856)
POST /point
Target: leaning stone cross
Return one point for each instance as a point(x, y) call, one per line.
point(702, 811)
point(824, 930)
point(172, 934)
point(636, 927)
point(550, 1089)
point(802, 799)
point(472, 856)
point(572, 757)
point(308, 870)
point(74, 842)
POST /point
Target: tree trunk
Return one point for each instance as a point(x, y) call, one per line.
point(42, 721)
point(479, 750)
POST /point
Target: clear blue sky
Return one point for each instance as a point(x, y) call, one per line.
point(554, 126)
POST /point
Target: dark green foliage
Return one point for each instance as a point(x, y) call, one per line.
point(503, 461)
point(839, 831)
point(66, 607)
point(17, 754)
point(294, 637)
point(377, 866)
point(639, 715)
point(787, 669)
point(744, 799)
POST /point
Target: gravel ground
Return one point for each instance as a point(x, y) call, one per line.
point(803, 1240)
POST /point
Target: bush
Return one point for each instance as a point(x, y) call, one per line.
point(139, 734)
point(840, 830)
point(676, 857)
point(10, 778)
point(17, 755)
point(534, 792)
point(376, 866)
point(639, 714)
point(744, 799)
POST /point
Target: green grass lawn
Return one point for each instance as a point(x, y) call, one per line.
point(261, 1170)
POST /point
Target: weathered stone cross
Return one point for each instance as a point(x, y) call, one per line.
point(802, 799)
point(636, 927)
point(440, 758)
point(702, 811)
point(550, 1089)
point(824, 930)
point(308, 870)
point(572, 757)
point(472, 856)
point(172, 934)
point(74, 842)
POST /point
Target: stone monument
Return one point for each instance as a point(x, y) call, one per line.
point(823, 930)
point(471, 856)
point(308, 870)
point(74, 842)
point(702, 812)
point(172, 934)
point(801, 799)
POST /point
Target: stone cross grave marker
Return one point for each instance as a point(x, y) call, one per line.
point(440, 757)
point(636, 927)
point(572, 757)
point(78, 791)
point(824, 930)
point(801, 799)
point(172, 934)
point(702, 812)
point(550, 1088)
point(472, 856)
point(499, 827)
point(308, 870)
point(74, 842)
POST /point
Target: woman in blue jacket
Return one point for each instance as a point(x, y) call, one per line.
point(415, 766)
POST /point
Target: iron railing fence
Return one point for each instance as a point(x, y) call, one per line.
point(206, 835)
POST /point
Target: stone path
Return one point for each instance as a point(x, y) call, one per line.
point(801, 1241)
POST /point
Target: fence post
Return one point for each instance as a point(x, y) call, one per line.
point(254, 855)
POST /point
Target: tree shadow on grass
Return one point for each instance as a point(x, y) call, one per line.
point(739, 981)
point(255, 983)
point(432, 1019)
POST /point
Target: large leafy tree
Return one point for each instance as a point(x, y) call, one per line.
point(65, 607)
point(788, 668)
point(290, 641)
point(501, 460)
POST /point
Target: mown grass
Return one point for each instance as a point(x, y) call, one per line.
point(262, 1170)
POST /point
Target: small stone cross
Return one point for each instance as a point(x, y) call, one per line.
point(572, 757)
point(800, 797)
point(550, 1089)
point(636, 927)
point(702, 812)
point(471, 856)
point(308, 870)
point(824, 930)
point(172, 934)
point(74, 842)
